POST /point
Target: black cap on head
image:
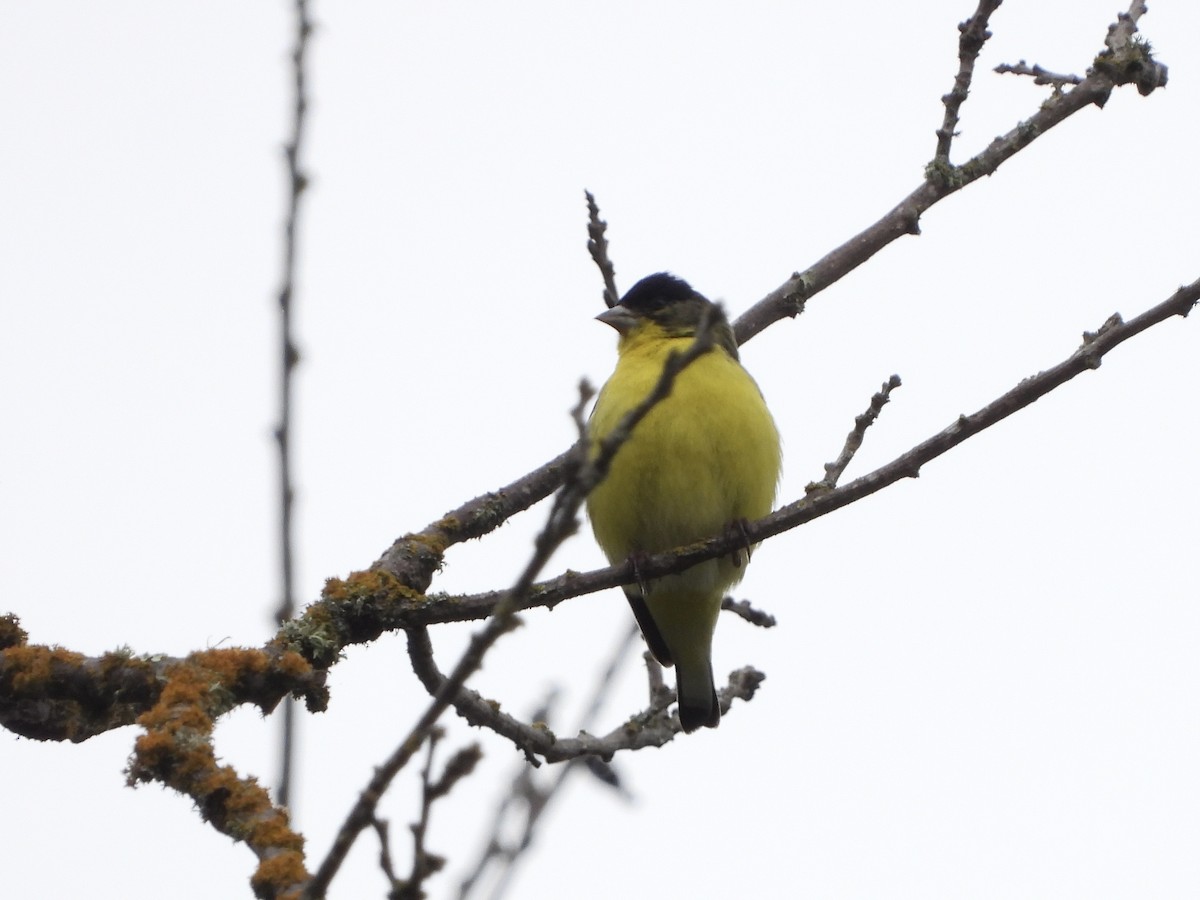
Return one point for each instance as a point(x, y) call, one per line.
point(674, 307)
point(658, 291)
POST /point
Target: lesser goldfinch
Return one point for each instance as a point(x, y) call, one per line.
point(703, 459)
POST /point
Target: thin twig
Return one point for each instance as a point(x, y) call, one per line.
point(531, 798)
point(835, 469)
point(297, 181)
point(659, 694)
point(385, 853)
point(424, 863)
point(1124, 61)
point(973, 34)
point(1038, 74)
point(744, 610)
point(598, 249)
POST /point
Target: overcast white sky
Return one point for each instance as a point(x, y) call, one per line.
point(984, 683)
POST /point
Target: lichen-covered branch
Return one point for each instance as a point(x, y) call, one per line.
point(52, 694)
point(176, 750)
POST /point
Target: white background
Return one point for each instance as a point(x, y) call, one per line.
point(984, 683)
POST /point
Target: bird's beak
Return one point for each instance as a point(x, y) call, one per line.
point(619, 318)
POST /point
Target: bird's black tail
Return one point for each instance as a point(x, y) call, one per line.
point(698, 704)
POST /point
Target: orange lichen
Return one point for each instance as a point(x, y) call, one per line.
point(435, 543)
point(33, 666)
point(367, 585)
point(183, 701)
point(154, 749)
point(280, 876)
point(231, 665)
point(11, 632)
point(246, 799)
point(293, 665)
point(177, 751)
point(275, 831)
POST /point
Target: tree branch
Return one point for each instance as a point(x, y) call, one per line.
point(1038, 74)
point(528, 796)
point(598, 249)
point(1123, 61)
point(290, 356)
point(50, 693)
point(415, 558)
point(835, 469)
point(585, 473)
point(1088, 356)
point(973, 34)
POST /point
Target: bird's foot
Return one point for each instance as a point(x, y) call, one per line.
point(738, 527)
point(637, 559)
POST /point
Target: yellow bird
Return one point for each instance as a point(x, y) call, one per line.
point(703, 459)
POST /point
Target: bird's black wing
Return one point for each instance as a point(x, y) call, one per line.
point(654, 638)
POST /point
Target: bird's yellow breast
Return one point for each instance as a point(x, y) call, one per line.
point(702, 458)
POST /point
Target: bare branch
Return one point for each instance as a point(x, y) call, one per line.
point(527, 798)
point(744, 610)
point(1129, 63)
point(659, 694)
point(369, 604)
point(363, 812)
point(385, 852)
point(1088, 356)
point(973, 34)
point(414, 558)
point(290, 356)
point(598, 249)
point(835, 469)
point(1039, 75)
point(425, 863)
point(650, 728)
